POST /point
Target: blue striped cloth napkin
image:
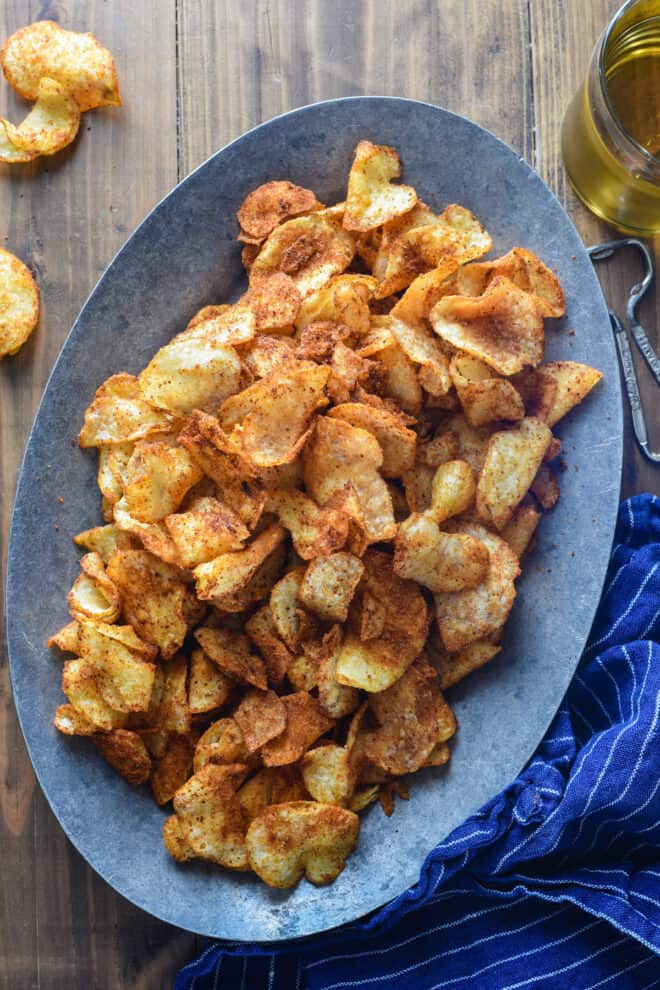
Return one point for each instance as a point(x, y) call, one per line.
point(555, 883)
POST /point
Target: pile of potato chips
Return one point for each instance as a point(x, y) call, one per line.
point(316, 502)
point(65, 73)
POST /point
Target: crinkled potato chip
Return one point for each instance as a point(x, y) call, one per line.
point(111, 476)
point(9, 153)
point(208, 687)
point(77, 61)
point(229, 326)
point(554, 388)
point(50, 126)
point(266, 207)
point(189, 374)
point(424, 350)
point(266, 353)
point(339, 454)
point(154, 537)
point(329, 585)
point(204, 531)
point(270, 420)
point(211, 819)
point(524, 269)
point(309, 249)
point(344, 301)
point(225, 581)
point(261, 716)
point(158, 476)
point(67, 638)
point(317, 341)
point(401, 378)
point(292, 622)
point(503, 327)
point(121, 663)
point(315, 532)
point(274, 300)
point(222, 744)
point(301, 838)
point(305, 723)
point(119, 413)
point(375, 664)
point(466, 616)
point(126, 753)
point(263, 632)
point(372, 199)
point(452, 490)
point(512, 460)
point(396, 441)
point(94, 595)
point(172, 769)
point(232, 653)
point(19, 301)
point(439, 561)
point(484, 396)
point(328, 774)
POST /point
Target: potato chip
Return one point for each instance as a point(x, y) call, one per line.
point(520, 529)
point(483, 396)
point(415, 305)
point(305, 722)
point(189, 374)
point(401, 379)
point(291, 620)
point(372, 199)
point(9, 153)
point(50, 126)
point(270, 419)
point(335, 699)
point(226, 580)
point(396, 441)
point(262, 630)
point(439, 561)
point(71, 722)
point(363, 797)
point(261, 716)
point(267, 206)
point(154, 599)
point(524, 269)
point(209, 446)
point(275, 301)
point(77, 61)
point(452, 490)
point(375, 664)
point(111, 476)
point(439, 756)
point(328, 774)
point(554, 388)
point(119, 413)
point(504, 327)
point(231, 652)
point(472, 440)
point(309, 249)
point(383, 241)
point(271, 785)
point(154, 537)
point(80, 684)
point(67, 638)
point(315, 532)
point(208, 687)
point(19, 300)
point(344, 301)
point(104, 540)
point(94, 595)
point(301, 838)
point(453, 667)
point(172, 769)
point(317, 341)
point(204, 531)
point(158, 476)
point(407, 715)
point(513, 458)
point(211, 819)
point(329, 585)
point(222, 744)
point(545, 487)
point(338, 454)
point(126, 753)
point(347, 370)
point(121, 664)
point(266, 353)
point(227, 326)
point(466, 616)
point(424, 350)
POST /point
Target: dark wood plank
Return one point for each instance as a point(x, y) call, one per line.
point(62, 926)
point(562, 37)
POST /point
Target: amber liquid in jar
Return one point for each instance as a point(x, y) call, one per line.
point(610, 175)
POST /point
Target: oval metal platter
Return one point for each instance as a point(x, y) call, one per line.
point(183, 256)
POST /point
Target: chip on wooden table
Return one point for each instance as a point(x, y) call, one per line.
point(19, 302)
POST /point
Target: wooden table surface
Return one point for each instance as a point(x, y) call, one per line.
point(194, 75)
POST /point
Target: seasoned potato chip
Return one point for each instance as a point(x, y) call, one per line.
point(372, 199)
point(231, 652)
point(67, 638)
point(119, 413)
point(71, 722)
point(19, 300)
point(512, 460)
point(424, 350)
point(211, 820)
point(261, 716)
point(266, 353)
point(328, 774)
point(309, 249)
point(222, 744)
point(269, 205)
point(504, 327)
point(226, 580)
point(154, 599)
point(292, 622)
point(121, 663)
point(452, 490)
point(287, 841)
point(104, 540)
point(472, 441)
point(376, 663)
point(158, 476)
point(154, 537)
point(305, 722)
point(204, 531)
point(275, 301)
point(343, 301)
point(466, 616)
point(228, 326)
point(191, 373)
point(545, 487)
point(77, 61)
point(384, 241)
point(262, 630)
point(524, 269)
point(208, 687)
point(94, 595)
point(339, 454)
point(317, 341)
point(51, 125)
point(111, 476)
point(401, 379)
point(270, 419)
point(415, 305)
point(554, 388)
point(315, 532)
point(439, 561)
point(483, 396)
point(453, 667)
point(335, 699)
point(172, 769)
point(329, 585)
point(80, 684)
point(271, 785)
point(396, 441)
point(9, 153)
point(363, 797)
point(126, 753)
point(520, 529)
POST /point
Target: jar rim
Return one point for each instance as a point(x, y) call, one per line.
point(652, 160)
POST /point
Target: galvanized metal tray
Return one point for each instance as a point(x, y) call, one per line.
point(183, 256)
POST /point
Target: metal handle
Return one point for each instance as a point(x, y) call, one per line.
point(600, 252)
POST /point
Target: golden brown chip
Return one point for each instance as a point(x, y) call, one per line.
point(305, 722)
point(271, 785)
point(287, 841)
point(208, 687)
point(232, 326)
point(126, 753)
point(261, 716)
point(67, 638)
point(269, 205)
point(309, 249)
point(262, 630)
point(204, 531)
point(9, 153)
point(439, 561)
point(94, 595)
point(121, 662)
point(232, 580)
point(504, 327)
point(191, 372)
point(545, 487)
point(81, 685)
point(211, 819)
point(524, 269)
point(119, 413)
point(291, 620)
point(19, 302)
point(520, 529)
point(452, 490)
point(512, 460)
point(71, 722)
point(483, 396)
point(158, 476)
point(372, 199)
point(50, 126)
point(401, 377)
point(375, 664)
point(343, 301)
point(173, 769)
point(425, 351)
point(329, 585)
point(315, 532)
point(453, 667)
point(554, 388)
point(104, 540)
point(232, 654)
point(466, 616)
point(266, 353)
point(154, 537)
point(275, 301)
point(328, 774)
point(396, 441)
point(335, 699)
point(77, 61)
point(222, 744)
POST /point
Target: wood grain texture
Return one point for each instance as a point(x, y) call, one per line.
point(61, 926)
point(194, 75)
